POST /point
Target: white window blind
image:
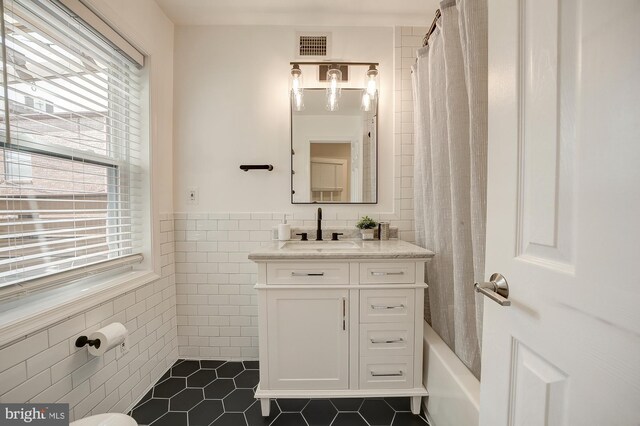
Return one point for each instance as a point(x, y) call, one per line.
point(70, 128)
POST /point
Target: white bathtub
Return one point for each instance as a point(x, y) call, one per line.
point(454, 393)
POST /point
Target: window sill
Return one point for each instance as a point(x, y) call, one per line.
point(30, 313)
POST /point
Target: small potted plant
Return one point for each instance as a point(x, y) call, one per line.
point(366, 226)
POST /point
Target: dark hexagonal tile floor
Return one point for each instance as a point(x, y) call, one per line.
point(293, 404)
point(347, 404)
point(319, 412)
point(186, 400)
point(349, 419)
point(150, 411)
point(220, 393)
point(239, 400)
point(201, 378)
point(185, 368)
point(219, 388)
point(172, 418)
point(230, 369)
point(205, 413)
point(377, 412)
point(205, 363)
point(247, 379)
point(254, 414)
point(169, 387)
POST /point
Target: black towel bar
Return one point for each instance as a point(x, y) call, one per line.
point(247, 167)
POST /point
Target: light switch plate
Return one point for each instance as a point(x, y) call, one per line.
point(192, 195)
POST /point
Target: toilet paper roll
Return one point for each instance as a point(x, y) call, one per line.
point(110, 337)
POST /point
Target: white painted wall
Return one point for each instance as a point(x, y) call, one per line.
point(145, 25)
point(232, 108)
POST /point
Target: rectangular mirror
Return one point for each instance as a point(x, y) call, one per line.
point(334, 154)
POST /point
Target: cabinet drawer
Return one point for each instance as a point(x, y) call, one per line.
point(386, 372)
point(307, 273)
point(386, 339)
point(394, 305)
point(390, 272)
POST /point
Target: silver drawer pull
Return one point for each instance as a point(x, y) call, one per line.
point(393, 374)
point(378, 274)
point(398, 340)
point(387, 306)
point(307, 274)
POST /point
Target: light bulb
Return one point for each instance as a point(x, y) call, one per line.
point(371, 87)
point(334, 83)
point(332, 100)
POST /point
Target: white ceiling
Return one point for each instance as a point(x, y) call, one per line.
point(301, 12)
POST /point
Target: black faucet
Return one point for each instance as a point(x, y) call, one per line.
point(319, 230)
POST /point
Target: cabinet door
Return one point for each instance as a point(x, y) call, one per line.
point(308, 339)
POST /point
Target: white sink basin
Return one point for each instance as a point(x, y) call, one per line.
point(320, 245)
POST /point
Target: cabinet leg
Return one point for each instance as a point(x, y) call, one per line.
point(265, 405)
point(416, 402)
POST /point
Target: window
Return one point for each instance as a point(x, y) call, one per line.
point(70, 129)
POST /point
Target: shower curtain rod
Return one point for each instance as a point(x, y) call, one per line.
point(432, 28)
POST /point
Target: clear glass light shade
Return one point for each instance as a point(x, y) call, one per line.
point(333, 98)
point(295, 82)
point(372, 81)
point(297, 100)
point(296, 87)
point(366, 102)
point(334, 76)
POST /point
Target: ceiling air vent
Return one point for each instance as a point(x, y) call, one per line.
point(312, 45)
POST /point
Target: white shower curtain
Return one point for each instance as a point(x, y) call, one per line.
point(450, 116)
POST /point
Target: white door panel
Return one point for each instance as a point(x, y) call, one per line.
point(563, 213)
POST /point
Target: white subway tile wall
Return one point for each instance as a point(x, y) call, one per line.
point(408, 40)
point(47, 367)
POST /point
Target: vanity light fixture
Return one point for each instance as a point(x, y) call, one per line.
point(334, 79)
point(334, 76)
point(297, 97)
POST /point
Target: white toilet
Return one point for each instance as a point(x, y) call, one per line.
point(106, 419)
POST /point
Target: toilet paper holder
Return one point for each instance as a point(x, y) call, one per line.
point(84, 340)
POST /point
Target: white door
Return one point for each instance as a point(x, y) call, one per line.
point(563, 214)
point(308, 339)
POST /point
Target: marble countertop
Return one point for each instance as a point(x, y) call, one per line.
point(343, 249)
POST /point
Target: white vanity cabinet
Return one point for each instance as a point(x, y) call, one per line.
point(308, 346)
point(339, 324)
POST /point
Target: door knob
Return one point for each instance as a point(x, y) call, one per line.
point(496, 289)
